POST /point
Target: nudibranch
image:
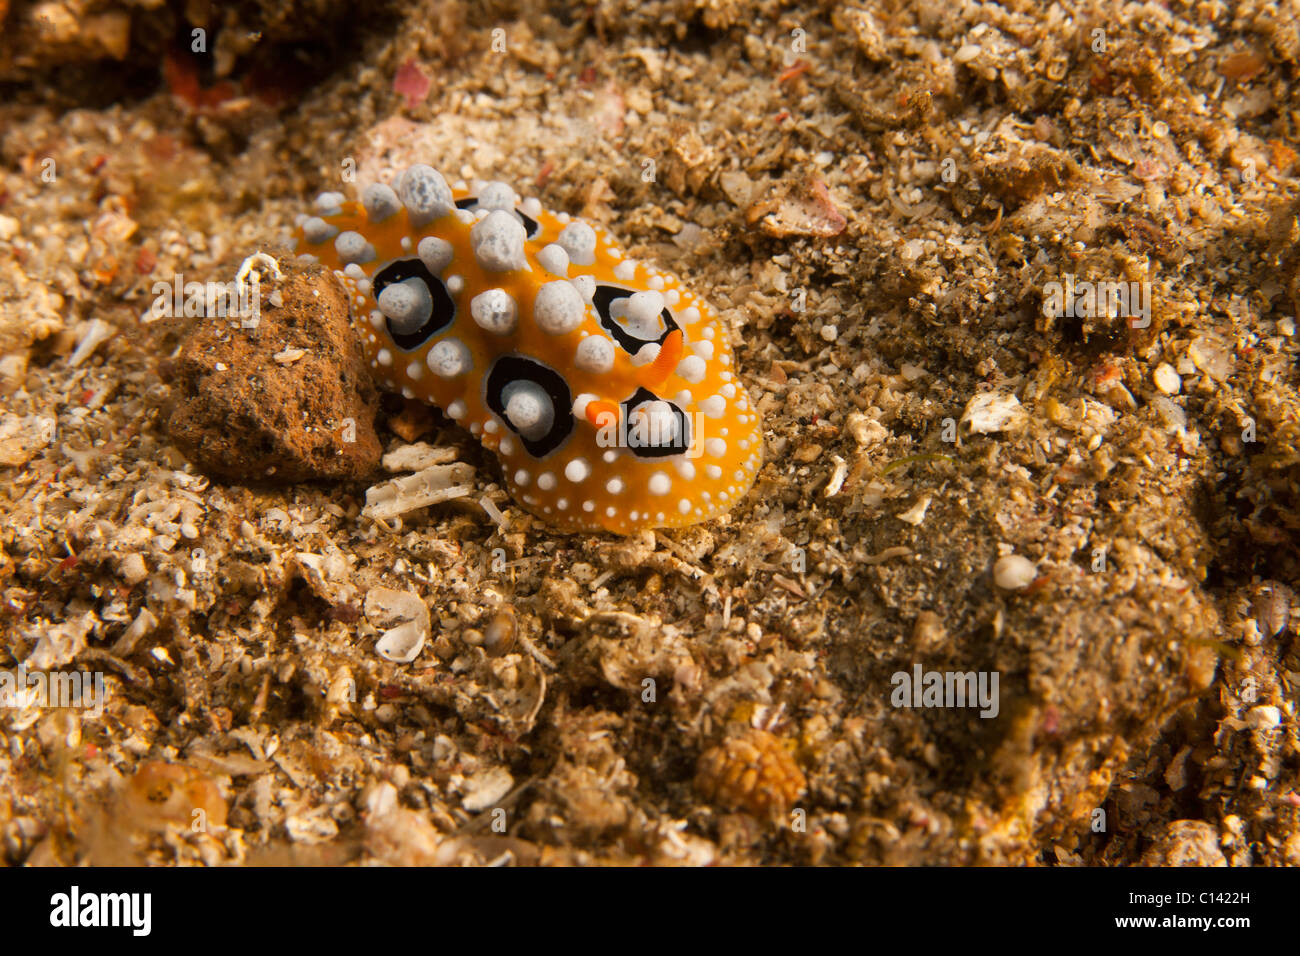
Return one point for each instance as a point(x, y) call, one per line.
point(606, 388)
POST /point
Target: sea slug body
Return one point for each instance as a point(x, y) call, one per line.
point(605, 387)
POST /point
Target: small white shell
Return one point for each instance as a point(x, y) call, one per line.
point(1014, 572)
point(401, 644)
point(385, 607)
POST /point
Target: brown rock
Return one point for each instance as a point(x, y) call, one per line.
point(289, 400)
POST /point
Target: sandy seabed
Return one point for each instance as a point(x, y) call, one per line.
point(887, 203)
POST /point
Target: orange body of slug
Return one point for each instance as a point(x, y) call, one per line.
point(606, 388)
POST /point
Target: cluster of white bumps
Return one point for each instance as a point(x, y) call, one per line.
point(498, 239)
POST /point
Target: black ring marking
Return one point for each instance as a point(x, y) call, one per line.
point(678, 447)
point(514, 368)
point(441, 316)
point(532, 228)
point(604, 297)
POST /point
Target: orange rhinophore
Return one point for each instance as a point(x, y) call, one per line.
point(605, 387)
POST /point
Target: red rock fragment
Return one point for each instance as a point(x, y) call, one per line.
point(411, 83)
point(240, 415)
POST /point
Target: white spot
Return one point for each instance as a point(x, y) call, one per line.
point(546, 481)
point(380, 201)
point(528, 408)
point(425, 194)
point(522, 478)
point(496, 195)
point(384, 357)
point(554, 259)
point(558, 308)
point(579, 241)
point(686, 469)
point(660, 483)
point(714, 406)
point(690, 315)
point(498, 242)
point(586, 286)
point(495, 311)
point(692, 368)
point(455, 284)
point(456, 410)
point(625, 271)
point(449, 358)
point(414, 371)
point(329, 203)
point(713, 471)
point(589, 506)
point(653, 424)
point(643, 314)
point(407, 304)
point(646, 354)
point(577, 470)
point(316, 230)
point(507, 445)
point(594, 354)
point(684, 506)
point(614, 486)
point(715, 447)
point(435, 253)
point(703, 349)
point(352, 248)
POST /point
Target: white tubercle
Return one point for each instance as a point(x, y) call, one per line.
point(449, 358)
point(435, 253)
point(380, 202)
point(594, 354)
point(554, 259)
point(498, 241)
point(579, 241)
point(425, 194)
point(495, 311)
point(496, 196)
point(352, 247)
point(407, 304)
point(558, 309)
point(528, 409)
